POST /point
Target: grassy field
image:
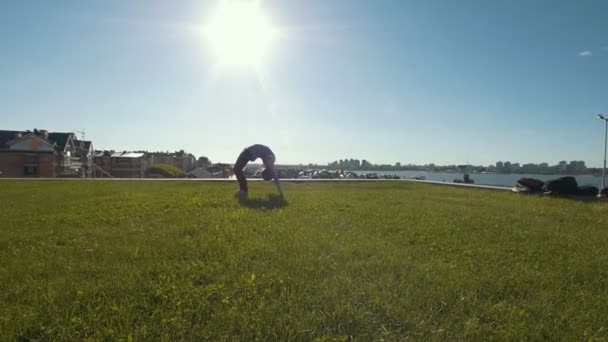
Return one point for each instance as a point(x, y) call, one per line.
point(174, 261)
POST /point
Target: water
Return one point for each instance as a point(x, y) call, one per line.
point(499, 179)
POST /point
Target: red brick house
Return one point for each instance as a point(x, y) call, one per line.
point(39, 154)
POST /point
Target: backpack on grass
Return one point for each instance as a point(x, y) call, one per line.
point(529, 185)
point(561, 186)
point(588, 190)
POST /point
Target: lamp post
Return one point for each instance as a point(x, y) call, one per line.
point(601, 117)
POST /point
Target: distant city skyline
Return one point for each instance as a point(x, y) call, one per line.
point(410, 81)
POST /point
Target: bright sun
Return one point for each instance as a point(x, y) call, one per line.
point(240, 33)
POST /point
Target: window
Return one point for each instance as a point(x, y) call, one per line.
point(30, 170)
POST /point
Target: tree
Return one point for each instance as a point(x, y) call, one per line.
point(203, 161)
point(165, 170)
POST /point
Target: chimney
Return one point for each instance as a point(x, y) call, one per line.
point(44, 133)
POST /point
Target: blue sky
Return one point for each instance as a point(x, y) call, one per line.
point(410, 81)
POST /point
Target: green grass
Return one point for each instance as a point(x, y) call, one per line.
point(171, 261)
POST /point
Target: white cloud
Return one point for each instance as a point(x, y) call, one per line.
point(585, 53)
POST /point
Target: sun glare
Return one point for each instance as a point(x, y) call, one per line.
point(240, 33)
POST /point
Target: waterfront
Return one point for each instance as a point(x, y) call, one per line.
point(500, 179)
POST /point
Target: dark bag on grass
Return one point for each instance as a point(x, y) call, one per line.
point(561, 186)
point(588, 190)
point(530, 184)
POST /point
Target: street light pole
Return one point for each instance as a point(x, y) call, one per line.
point(601, 117)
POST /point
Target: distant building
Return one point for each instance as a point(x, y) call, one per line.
point(39, 154)
point(180, 159)
point(200, 172)
point(119, 164)
point(84, 152)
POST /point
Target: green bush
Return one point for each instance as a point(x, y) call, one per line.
point(165, 170)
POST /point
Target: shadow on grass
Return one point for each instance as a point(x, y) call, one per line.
point(270, 202)
point(577, 198)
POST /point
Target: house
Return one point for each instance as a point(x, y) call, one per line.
point(38, 154)
point(119, 164)
point(84, 152)
point(26, 156)
point(68, 164)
